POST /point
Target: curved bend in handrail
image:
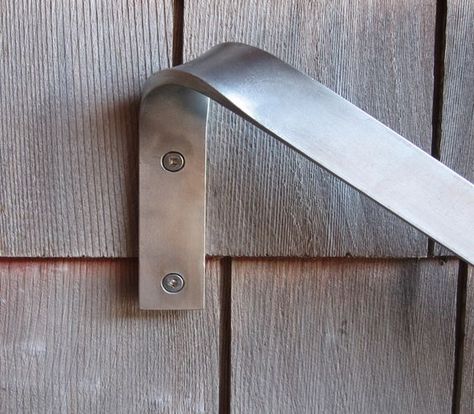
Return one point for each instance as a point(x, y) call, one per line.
point(311, 119)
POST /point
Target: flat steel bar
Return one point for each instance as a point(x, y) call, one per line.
point(333, 133)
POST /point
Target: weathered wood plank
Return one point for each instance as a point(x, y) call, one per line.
point(72, 74)
point(457, 139)
point(338, 336)
point(263, 199)
point(73, 341)
point(467, 382)
point(457, 129)
point(70, 83)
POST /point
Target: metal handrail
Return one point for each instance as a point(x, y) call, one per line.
point(306, 116)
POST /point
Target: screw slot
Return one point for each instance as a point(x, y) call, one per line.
point(173, 161)
point(172, 283)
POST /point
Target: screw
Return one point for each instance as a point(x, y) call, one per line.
point(172, 283)
point(173, 161)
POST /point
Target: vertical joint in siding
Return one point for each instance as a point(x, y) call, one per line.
point(225, 335)
point(459, 333)
point(438, 86)
point(178, 28)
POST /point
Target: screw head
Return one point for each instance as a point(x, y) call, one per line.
point(173, 161)
point(172, 283)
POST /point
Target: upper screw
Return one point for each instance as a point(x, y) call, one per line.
point(173, 283)
point(173, 161)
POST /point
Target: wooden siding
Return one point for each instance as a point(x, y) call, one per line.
point(457, 127)
point(457, 140)
point(72, 340)
point(73, 74)
point(335, 336)
point(70, 82)
point(466, 384)
point(278, 335)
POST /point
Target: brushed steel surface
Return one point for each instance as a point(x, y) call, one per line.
point(172, 203)
point(311, 119)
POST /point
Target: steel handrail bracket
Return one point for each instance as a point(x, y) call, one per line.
point(301, 113)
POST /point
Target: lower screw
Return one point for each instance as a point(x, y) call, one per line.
point(173, 161)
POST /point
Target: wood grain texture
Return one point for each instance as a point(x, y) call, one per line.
point(467, 382)
point(263, 199)
point(338, 336)
point(73, 341)
point(70, 83)
point(457, 129)
point(457, 140)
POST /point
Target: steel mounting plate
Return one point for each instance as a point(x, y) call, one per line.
point(172, 204)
